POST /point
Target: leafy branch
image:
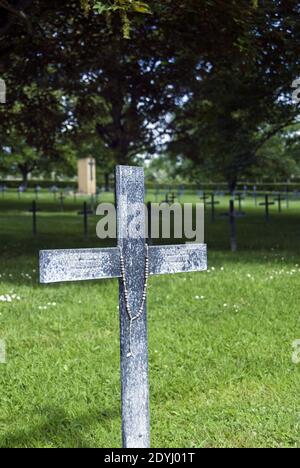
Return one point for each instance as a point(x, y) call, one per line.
point(122, 7)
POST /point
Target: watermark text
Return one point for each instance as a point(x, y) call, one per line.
point(160, 221)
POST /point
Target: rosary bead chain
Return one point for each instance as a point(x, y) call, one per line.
point(131, 317)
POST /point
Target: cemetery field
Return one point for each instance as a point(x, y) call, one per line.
point(220, 342)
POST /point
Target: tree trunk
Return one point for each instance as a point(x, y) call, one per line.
point(25, 171)
point(232, 186)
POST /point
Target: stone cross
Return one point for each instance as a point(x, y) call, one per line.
point(96, 264)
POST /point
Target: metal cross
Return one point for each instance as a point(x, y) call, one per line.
point(96, 264)
point(85, 213)
point(240, 197)
point(204, 197)
point(267, 205)
point(213, 204)
point(279, 199)
point(34, 211)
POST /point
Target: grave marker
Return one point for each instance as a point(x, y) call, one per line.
point(232, 215)
point(54, 190)
point(170, 198)
point(37, 190)
point(255, 195)
point(98, 193)
point(21, 189)
point(213, 203)
point(287, 197)
point(279, 198)
point(180, 192)
point(34, 211)
point(132, 261)
point(240, 198)
point(267, 205)
point(93, 203)
point(204, 197)
point(62, 201)
point(85, 212)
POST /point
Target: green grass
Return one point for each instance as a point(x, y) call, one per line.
point(220, 342)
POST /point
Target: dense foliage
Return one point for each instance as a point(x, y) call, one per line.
point(204, 81)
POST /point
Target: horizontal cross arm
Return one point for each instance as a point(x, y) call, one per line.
point(181, 258)
point(79, 265)
point(91, 264)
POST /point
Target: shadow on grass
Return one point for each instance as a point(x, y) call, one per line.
point(59, 430)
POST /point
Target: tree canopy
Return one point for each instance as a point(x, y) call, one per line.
point(208, 81)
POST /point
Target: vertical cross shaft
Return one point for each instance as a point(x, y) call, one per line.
point(128, 263)
point(134, 369)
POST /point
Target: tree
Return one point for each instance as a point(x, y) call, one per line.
point(245, 101)
point(132, 85)
point(123, 7)
point(33, 128)
point(17, 156)
point(279, 157)
point(129, 88)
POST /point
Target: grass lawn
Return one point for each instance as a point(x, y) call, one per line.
point(220, 342)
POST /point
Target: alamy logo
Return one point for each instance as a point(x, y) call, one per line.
point(2, 92)
point(296, 93)
point(161, 221)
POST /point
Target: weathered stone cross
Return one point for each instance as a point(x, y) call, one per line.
point(95, 264)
